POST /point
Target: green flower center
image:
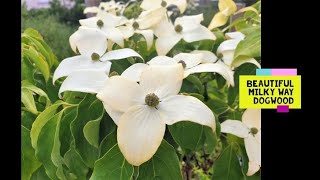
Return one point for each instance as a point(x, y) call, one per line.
point(152, 100)
point(135, 25)
point(99, 23)
point(220, 56)
point(113, 73)
point(102, 8)
point(178, 28)
point(254, 131)
point(184, 65)
point(164, 4)
point(95, 56)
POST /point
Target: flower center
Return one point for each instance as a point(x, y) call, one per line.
point(99, 23)
point(220, 56)
point(113, 73)
point(178, 28)
point(254, 131)
point(95, 56)
point(184, 65)
point(164, 4)
point(152, 100)
point(135, 25)
point(102, 8)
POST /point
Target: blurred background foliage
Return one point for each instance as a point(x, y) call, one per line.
point(57, 22)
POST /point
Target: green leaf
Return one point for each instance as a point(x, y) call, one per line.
point(198, 96)
point(108, 142)
point(196, 81)
point(87, 111)
point(38, 60)
point(249, 30)
point(33, 33)
point(210, 140)
point(28, 101)
point(206, 45)
point(233, 92)
point(27, 118)
point(47, 150)
point(120, 65)
point(65, 131)
point(40, 174)
point(33, 37)
point(218, 106)
point(41, 120)
point(113, 164)
point(188, 135)
point(27, 85)
point(227, 166)
point(91, 129)
point(163, 165)
point(250, 46)
point(76, 164)
point(27, 70)
point(29, 163)
point(107, 126)
point(38, 46)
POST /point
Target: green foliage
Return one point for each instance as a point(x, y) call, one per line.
point(163, 165)
point(54, 32)
point(69, 16)
point(227, 166)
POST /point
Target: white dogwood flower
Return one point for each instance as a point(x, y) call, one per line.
point(107, 23)
point(187, 28)
point(148, 107)
point(150, 18)
point(195, 62)
point(111, 7)
point(250, 130)
point(227, 49)
point(155, 4)
point(132, 27)
point(92, 45)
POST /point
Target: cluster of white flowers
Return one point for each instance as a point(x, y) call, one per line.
point(144, 98)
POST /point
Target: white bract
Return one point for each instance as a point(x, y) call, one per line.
point(109, 7)
point(92, 45)
point(148, 106)
point(195, 62)
point(155, 4)
point(108, 24)
point(187, 28)
point(227, 49)
point(151, 18)
point(250, 130)
point(226, 9)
